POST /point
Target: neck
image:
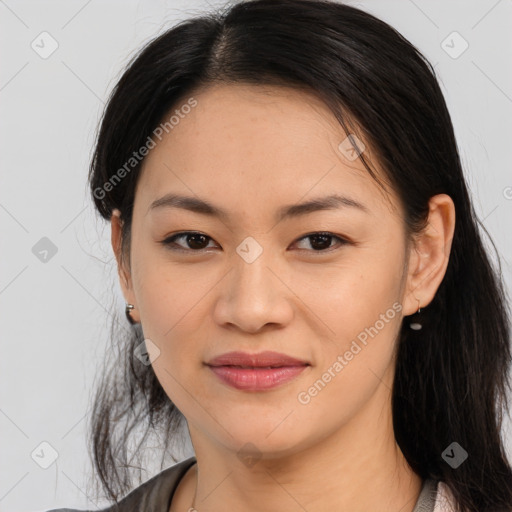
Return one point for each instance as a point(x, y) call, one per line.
point(357, 468)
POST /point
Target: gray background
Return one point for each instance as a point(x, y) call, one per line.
point(55, 314)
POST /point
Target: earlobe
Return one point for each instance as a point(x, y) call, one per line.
point(430, 254)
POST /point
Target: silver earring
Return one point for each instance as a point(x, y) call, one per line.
point(415, 325)
point(128, 310)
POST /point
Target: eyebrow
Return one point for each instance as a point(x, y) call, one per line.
point(194, 204)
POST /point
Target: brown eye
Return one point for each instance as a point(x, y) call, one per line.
point(194, 241)
point(321, 242)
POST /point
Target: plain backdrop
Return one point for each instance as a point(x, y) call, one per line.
point(55, 313)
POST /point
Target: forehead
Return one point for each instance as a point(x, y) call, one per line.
point(263, 146)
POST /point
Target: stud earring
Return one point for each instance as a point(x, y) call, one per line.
point(128, 310)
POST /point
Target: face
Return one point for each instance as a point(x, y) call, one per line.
point(253, 280)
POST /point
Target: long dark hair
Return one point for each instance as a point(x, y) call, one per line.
point(451, 378)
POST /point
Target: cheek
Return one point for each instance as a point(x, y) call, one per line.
point(166, 292)
point(168, 304)
point(354, 361)
point(174, 319)
point(357, 312)
point(345, 299)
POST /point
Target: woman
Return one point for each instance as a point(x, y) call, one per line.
point(304, 276)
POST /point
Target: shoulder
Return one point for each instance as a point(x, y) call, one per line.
point(435, 496)
point(445, 501)
point(154, 494)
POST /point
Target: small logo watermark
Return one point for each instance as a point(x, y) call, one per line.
point(147, 352)
point(249, 249)
point(44, 45)
point(351, 147)
point(44, 455)
point(454, 455)
point(249, 454)
point(454, 45)
point(44, 250)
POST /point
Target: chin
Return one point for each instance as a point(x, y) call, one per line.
point(264, 440)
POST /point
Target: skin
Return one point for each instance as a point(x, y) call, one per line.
point(251, 150)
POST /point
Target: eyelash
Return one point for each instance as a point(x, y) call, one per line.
point(169, 241)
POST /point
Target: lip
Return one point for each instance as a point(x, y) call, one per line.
point(261, 359)
point(251, 372)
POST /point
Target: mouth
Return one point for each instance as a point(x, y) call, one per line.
point(256, 372)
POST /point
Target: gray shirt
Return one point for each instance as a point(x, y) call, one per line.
point(156, 494)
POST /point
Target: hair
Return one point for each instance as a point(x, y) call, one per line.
point(451, 380)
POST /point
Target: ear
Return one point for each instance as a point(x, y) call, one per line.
point(122, 268)
point(429, 255)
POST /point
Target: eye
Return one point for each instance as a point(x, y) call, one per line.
point(196, 242)
point(321, 241)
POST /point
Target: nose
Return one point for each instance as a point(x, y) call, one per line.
point(254, 296)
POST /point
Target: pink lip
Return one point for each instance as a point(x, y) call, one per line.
point(256, 375)
point(267, 358)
